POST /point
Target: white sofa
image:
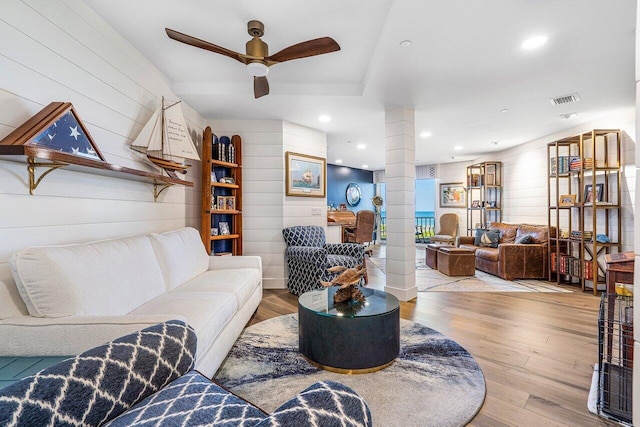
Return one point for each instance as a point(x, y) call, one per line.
point(68, 299)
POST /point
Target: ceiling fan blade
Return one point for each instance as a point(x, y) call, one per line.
point(202, 44)
point(260, 87)
point(305, 49)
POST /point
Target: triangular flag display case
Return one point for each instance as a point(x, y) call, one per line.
point(56, 137)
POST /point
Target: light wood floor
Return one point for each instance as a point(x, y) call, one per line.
point(536, 350)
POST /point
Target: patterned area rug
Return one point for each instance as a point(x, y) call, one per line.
point(431, 280)
point(434, 381)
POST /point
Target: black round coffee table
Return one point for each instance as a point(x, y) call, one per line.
point(354, 337)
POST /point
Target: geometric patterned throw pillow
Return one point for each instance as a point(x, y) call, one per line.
point(101, 383)
point(191, 400)
point(326, 404)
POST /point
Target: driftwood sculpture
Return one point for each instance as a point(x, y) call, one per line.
point(348, 282)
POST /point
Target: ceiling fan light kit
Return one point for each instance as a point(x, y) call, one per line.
point(257, 69)
point(257, 59)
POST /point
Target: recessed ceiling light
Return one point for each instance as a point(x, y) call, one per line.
point(458, 147)
point(406, 43)
point(568, 116)
point(361, 146)
point(425, 134)
point(452, 157)
point(504, 110)
point(338, 161)
point(324, 118)
point(365, 166)
point(534, 42)
point(495, 142)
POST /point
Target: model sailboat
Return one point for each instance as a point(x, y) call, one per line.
point(165, 140)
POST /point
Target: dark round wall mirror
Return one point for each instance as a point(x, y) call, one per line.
point(353, 194)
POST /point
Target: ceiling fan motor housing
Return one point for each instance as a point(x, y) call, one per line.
point(257, 48)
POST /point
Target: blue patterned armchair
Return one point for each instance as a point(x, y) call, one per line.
point(309, 256)
point(145, 379)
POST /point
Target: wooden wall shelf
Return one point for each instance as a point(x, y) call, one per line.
point(24, 145)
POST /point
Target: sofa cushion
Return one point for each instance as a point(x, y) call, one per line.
point(507, 231)
point(206, 312)
point(191, 400)
point(241, 282)
point(181, 255)
point(539, 233)
point(489, 254)
point(110, 277)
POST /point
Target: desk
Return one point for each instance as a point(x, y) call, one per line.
point(619, 272)
point(336, 222)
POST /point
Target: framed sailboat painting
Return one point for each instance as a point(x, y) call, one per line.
point(306, 175)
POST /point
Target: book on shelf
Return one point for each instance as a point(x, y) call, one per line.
point(223, 149)
point(561, 164)
point(572, 266)
point(586, 163)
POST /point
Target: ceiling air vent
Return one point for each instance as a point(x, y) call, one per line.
point(565, 99)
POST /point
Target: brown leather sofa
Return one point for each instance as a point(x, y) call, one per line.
point(511, 260)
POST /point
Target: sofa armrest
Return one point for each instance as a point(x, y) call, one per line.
point(522, 261)
point(465, 240)
point(324, 403)
point(231, 262)
point(355, 250)
point(64, 336)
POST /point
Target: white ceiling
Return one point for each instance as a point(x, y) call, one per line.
point(464, 66)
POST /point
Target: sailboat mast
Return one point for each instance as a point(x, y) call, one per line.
point(162, 127)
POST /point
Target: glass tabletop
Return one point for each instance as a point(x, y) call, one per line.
point(375, 303)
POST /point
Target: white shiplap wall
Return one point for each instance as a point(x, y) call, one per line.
point(266, 208)
point(262, 192)
point(525, 181)
point(60, 50)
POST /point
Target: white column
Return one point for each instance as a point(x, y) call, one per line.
point(400, 178)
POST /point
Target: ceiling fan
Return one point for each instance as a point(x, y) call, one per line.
point(257, 58)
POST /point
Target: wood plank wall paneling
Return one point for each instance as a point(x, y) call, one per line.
point(60, 50)
point(266, 209)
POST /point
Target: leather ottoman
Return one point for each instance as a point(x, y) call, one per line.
point(454, 261)
point(431, 258)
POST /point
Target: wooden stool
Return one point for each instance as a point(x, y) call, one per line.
point(432, 254)
point(454, 261)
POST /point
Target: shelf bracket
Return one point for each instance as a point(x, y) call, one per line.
point(158, 188)
point(33, 164)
